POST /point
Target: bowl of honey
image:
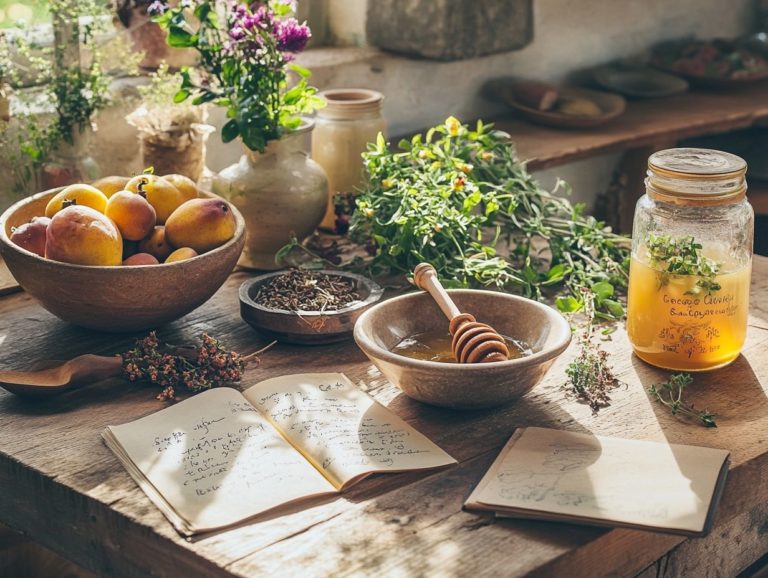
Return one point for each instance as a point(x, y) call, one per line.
point(407, 339)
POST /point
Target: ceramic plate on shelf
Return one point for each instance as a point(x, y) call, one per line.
point(575, 108)
point(639, 81)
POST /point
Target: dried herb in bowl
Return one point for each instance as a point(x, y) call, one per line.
point(301, 290)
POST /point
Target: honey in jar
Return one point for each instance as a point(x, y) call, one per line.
point(691, 261)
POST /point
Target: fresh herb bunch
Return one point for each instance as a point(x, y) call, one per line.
point(246, 51)
point(195, 368)
point(682, 256)
point(671, 392)
point(451, 196)
point(590, 375)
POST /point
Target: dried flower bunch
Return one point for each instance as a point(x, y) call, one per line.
point(194, 368)
point(246, 52)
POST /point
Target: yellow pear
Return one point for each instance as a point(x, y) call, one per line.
point(77, 194)
point(161, 194)
point(201, 224)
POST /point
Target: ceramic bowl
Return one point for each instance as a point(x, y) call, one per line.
point(610, 105)
point(306, 327)
point(463, 386)
point(115, 299)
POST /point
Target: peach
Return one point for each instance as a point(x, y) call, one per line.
point(141, 259)
point(161, 194)
point(83, 236)
point(31, 236)
point(111, 185)
point(186, 186)
point(77, 194)
point(181, 255)
point(202, 224)
point(156, 244)
point(133, 215)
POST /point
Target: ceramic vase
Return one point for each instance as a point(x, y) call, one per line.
point(281, 193)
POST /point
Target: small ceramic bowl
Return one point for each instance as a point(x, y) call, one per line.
point(115, 299)
point(455, 385)
point(306, 327)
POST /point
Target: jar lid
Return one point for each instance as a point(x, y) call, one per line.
point(349, 103)
point(696, 176)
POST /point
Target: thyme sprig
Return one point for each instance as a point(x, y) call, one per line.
point(671, 392)
point(682, 256)
point(590, 375)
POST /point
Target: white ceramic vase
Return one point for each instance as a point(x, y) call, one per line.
point(281, 193)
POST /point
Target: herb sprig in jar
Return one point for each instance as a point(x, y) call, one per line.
point(682, 256)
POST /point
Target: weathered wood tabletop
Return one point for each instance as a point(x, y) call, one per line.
point(62, 487)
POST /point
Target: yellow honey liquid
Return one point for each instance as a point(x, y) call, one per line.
point(436, 346)
point(678, 326)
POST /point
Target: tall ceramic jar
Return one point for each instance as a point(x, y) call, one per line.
point(281, 193)
point(351, 120)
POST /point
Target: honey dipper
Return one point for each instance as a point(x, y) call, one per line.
point(472, 342)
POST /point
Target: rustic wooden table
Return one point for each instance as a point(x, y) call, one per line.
point(62, 487)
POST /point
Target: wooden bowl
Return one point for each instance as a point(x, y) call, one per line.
point(115, 299)
point(611, 105)
point(306, 327)
point(463, 385)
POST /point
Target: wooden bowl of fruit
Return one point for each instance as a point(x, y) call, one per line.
point(124, 254)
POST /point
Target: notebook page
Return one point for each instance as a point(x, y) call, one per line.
point(341, 429)
point(216, 461)
point(602, 478)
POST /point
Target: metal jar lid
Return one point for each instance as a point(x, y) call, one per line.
point(693, 176)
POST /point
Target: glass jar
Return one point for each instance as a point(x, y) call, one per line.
point(343, 129)
point(71, 162)
point(691, 261)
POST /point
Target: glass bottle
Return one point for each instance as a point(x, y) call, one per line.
point(343, 129)
point(691, 261)
point(71, 162)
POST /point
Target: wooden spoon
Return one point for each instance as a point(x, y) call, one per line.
point(472, 342)
point(61, 377)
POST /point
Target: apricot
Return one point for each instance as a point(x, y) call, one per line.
point(83, 236)
point(186, 186)
point(132, 213)
point(111, 185)
point(156, 244)
point(31, 236)
point(141, 259)
point(77, 194)
point(202, 224)
point(181, 255)
point(161, 194)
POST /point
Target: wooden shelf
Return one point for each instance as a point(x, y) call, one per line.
point(645, 123)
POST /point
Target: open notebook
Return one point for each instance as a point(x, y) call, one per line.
point(223, 456)
point(556, 475)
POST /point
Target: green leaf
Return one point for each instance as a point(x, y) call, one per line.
point(180, 38)
point(602, 290)
point(613, 307)
point(230, 131)
point(300, 70)
point(181, 96)
point(568, 304)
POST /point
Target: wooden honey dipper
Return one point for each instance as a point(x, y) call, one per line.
point(472, 342)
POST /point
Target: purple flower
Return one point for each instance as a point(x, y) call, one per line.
point(156, 8)
point(291, 36)
point(237, 33)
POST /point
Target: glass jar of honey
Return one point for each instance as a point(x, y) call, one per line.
point(691, 261)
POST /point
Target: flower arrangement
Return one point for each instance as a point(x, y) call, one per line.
point(246, 55)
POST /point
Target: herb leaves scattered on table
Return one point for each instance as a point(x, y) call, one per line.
point(451, 196)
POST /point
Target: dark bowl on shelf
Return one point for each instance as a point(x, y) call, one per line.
point(306, 327)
